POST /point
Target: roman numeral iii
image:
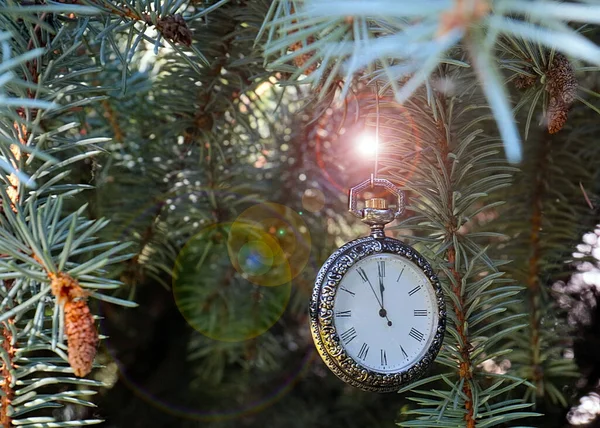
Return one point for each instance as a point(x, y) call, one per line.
point(420, 312)
point(416, 334)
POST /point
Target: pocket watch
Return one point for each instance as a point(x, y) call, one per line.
point(377, 312)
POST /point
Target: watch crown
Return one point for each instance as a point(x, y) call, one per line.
point(377, 203)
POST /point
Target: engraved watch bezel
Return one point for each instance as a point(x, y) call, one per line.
point(322, 326)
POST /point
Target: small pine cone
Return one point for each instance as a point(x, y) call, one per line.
point(82, 336)
point(557, 116)
point(175, 29)
point(523, 81)
point(300, 60)
point(65, 288)
point(562, 87)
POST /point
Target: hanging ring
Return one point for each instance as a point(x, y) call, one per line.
point(375, 182)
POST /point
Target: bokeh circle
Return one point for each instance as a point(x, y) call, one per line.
point(269, 244)
point(134, 225)
point(218, 300)
point(313, 200)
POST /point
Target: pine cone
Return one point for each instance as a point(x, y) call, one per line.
point(562, 87)
point(300, 60)
point(175, 29)
point(65, 288)
point(82, 337)
point(523, 81)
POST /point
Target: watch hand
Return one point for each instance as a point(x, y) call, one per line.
point(374, 293)
point(382, 311)
point(381, 288)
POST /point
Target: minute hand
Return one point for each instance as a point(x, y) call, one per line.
point(374, 293)
point(382, 312)
point(381, 289)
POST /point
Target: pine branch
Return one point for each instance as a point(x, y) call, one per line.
point(533, 281)
point(548, 213)
point(458, 304)
point(407, 42)
point(44, 283)
point(451, 173)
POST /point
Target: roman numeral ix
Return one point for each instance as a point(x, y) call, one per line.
point(343, 314)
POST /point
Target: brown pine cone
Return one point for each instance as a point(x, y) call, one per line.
point(82, 336)
point(300, 60)
point(523, 81)
point(561, 84)
point(175, 29)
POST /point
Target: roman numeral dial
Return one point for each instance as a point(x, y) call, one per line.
point(349, 335)
point(416, 334)
point(364, 351)
point(385, 313)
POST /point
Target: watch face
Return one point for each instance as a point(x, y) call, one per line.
point(385, 313)
point(377, 314)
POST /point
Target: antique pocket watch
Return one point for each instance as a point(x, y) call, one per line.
point(377, 313)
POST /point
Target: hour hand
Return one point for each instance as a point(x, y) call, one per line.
point(381, 288)
point(381, 272)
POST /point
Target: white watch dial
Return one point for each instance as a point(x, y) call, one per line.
point(385, 313)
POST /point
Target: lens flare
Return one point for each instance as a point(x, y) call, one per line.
point(269, 244)
point(366, 144)
point(255, 258)
point(143, 388)
point(216, 299)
